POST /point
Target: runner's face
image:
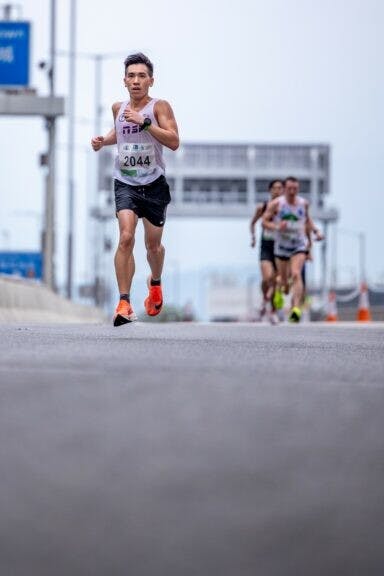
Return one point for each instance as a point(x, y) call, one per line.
point(276, 190)
point(291, 189)
point(137, 80)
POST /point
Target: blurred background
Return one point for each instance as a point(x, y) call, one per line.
point(260, 90)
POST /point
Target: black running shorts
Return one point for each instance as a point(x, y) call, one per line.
point(149, 201)
point(266, 250)
point(286, 258)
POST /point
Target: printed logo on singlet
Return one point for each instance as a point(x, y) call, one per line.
point(293, 223)
point(130, 128)
point(134, 129)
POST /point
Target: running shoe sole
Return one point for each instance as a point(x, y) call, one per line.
point(294, 316)
point(119, 320)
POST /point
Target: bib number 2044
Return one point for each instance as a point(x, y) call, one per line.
point(133, 161)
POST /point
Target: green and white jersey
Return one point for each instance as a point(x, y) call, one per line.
point(294, 238)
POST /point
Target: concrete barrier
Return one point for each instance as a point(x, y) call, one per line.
point(32, 302)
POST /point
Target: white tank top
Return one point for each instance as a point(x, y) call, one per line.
point(139, 159)
point(295, 216)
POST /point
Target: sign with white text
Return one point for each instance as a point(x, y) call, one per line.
point(22, 264)
point(14, 53)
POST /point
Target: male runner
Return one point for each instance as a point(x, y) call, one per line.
point(288, 216)
point(267, 258)
point(142, 125)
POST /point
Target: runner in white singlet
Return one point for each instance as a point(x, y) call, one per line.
point(142, 126)
point(289, 217)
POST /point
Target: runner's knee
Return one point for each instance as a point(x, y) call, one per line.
point(154, 247)
point(296, 276)
point(126, 240)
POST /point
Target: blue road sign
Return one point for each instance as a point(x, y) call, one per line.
point(24, 264)
point(14, 53)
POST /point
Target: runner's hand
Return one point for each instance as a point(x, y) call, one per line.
point(253, 242)
point(97, 142)
point(132, 116)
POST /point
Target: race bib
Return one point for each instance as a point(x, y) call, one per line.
point(293, 230)
point(137, 159)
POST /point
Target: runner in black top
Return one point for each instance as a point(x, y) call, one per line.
point(267, 260)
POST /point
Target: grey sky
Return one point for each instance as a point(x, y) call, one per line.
point(276, 71)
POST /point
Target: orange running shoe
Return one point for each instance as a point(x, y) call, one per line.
point(154, 302)
point(124, 313)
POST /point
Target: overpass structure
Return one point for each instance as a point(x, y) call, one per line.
point(228, 179)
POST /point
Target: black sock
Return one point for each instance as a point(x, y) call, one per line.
point(125, 297)
point(155, 282)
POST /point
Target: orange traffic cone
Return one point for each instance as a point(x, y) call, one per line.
point(363, 312)
point(332, 315)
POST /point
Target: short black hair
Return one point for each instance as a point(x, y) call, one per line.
point(139, 58)
point(273, 182)
point(290, 179)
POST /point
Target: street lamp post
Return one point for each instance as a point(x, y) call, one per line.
point(48, 237)
point(71, 144)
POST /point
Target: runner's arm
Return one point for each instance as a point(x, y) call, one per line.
point(308, 231)
point(109, 139)
point(269, 215)
point(257, 215)
point(166, 132)
point(312, 228)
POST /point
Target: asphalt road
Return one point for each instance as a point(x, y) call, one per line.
point(191, 450)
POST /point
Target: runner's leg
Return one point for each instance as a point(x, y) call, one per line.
point(297, 263)
point(155, 256)
point(267, 275)
point(282, 274)
point(124, 260)
point(155, 249)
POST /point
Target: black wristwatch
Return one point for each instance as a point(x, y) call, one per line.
point(146, 124)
